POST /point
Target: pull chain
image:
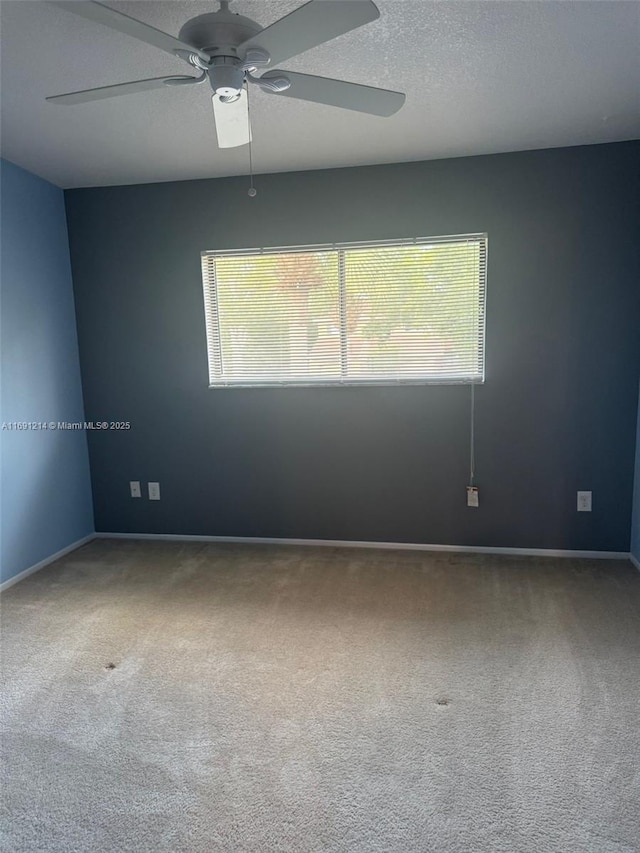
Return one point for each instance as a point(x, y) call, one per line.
point(253, 192)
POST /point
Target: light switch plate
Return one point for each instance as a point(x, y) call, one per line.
point(134, 487)
point(472, 496)
point(154, 491)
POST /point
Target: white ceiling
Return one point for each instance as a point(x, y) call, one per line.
point(480, 77)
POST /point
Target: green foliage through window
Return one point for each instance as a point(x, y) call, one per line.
point(401, 311)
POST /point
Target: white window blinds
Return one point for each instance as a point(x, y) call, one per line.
point(388, 312)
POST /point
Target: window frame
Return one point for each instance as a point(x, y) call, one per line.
point(214, 336)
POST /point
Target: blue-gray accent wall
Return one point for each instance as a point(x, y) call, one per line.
point(45, 487)
point(557, 412)
point(635, 512)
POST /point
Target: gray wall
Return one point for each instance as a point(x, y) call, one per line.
point(557, 412)
point(45, 489)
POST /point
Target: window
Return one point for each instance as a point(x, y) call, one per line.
point(405, 311)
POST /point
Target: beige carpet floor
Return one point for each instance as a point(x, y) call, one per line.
point(174, 697)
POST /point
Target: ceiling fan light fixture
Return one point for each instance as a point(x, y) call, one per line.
point(226, 77)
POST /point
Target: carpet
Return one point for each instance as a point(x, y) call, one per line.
point(194, 698)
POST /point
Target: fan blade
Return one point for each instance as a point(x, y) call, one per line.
point(312, 24)
point(339, 93)
point(130, 26)
point(119, 89)
point(232, 121)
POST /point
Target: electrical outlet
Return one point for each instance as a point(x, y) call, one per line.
point(584, 501)
point(154, 491)
point(472, 496)
point(134, 486)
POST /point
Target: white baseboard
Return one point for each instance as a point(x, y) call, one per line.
point(399, 546)
point(32, 569)
point(331, 543)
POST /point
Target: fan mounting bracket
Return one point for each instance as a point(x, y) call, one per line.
point(219, 33)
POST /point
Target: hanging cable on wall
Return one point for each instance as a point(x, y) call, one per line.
point(472, 490)
point(472, 449)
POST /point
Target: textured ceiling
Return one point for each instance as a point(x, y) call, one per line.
point(480, 77)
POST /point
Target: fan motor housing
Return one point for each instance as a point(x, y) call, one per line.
point(218, 33)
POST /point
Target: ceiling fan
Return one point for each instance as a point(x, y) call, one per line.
point(228, 49)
